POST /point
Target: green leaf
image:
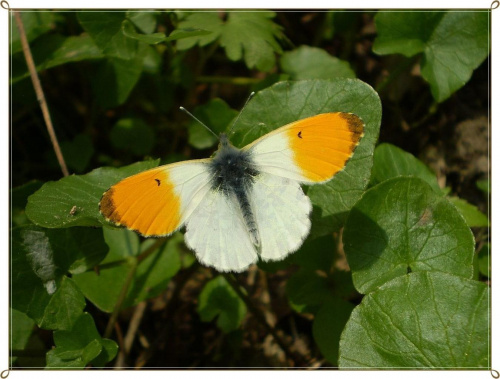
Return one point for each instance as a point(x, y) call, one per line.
point(218, 299)
point(81, 345)
point(78, 152)
point(453, 44)
point(115, 78)
point(286, 102)
point(187, 33)
point(145, 21)
point(402, 225)
point(134, 135)
point(390, 161)
point(19, 198)
point(251, 36)
point(52, 204)
point(328, 324)
point(315, 254)
point(40, 258)
point(484, 185)
point(21, 328)
point(55, 50)
point(306, 288)
point(308, 62)
point(217, 115)
point(105, 28)
point(473, 216)
point(151, 276)
point(35, 24)
point(483, 260)
point(421, 320)
point(129, 31)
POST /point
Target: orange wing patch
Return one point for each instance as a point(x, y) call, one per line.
point(146, 203)
point(323, 144)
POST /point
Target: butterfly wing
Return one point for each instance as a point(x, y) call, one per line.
point(217, 233)
point(311, 150)
point(157, 202)
point(282, 215)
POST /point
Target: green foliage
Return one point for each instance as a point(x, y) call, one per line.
point(401, 296)
point(401, 226)
point(251, 36)
point(421, 320)
point(150, 276)
point(297, 64)
point(453, 44)
point(217, 115)
point(80, 346)
point(134, 135)
point(51, 206)
point(219, 300)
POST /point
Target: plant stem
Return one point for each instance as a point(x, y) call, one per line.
point(121, 297)
point(299, 360)
point(39, 93)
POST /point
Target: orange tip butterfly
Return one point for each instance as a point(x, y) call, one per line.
point(242, 203)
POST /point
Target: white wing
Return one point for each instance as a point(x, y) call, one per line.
point(218, 235)
point(282, 214)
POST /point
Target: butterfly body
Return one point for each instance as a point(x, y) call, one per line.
point(241, 204)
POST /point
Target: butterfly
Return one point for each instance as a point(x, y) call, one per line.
point(241, 204)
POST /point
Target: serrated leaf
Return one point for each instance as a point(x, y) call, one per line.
point(308, 62)
point(80, 345)
point(217, 115)
point(251, 36)
point(105, 28)
point(151, 276)
point(40, 258)
point(421, 320)
point(473, 216)
point(55, 50)
point(453, 44)
point(328, 324)
point(402, 225)
point(178, 34)
point(35, 24)
point(51, 206)
point(218, 299)
point(133, 134)
point(390, 161)
point(286, 102)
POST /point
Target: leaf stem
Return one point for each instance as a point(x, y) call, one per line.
point(299, 360)
point(39, 93)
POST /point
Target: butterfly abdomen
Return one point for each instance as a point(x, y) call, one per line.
point(233, 175)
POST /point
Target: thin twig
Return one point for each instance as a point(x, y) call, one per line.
point(133, 327)
point(39, 92)
point(299, 360)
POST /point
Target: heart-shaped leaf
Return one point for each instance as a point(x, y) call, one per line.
point(421, 320)
point(402, 225)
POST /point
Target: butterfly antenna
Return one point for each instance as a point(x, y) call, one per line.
point(190, 114)
point(238, 117)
